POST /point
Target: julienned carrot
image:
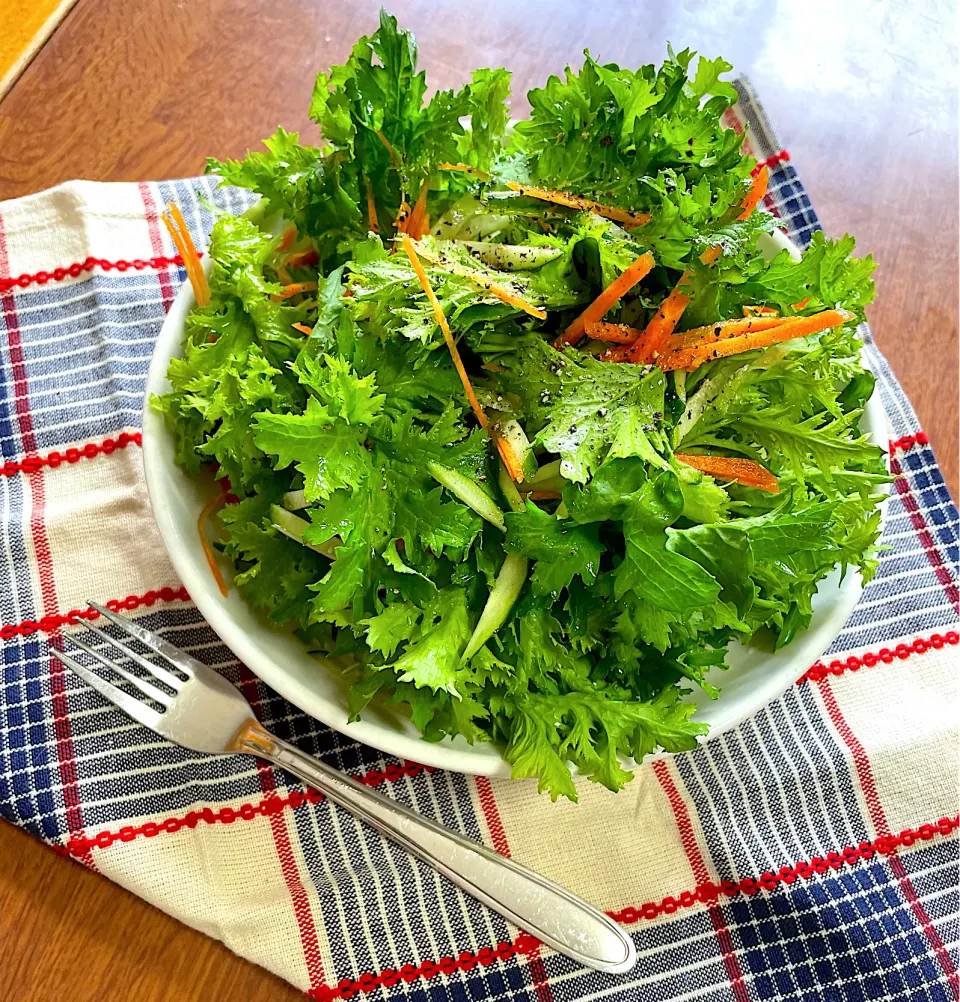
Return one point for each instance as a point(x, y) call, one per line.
point(712, 254)
point(413, 224)
point(177, 228)
point(466, 169)
point(760, 311)
point(291, 290)
point(301, 258)
point(438, 314)
point(289, 235)
point(304, 329)
point(510, 458)
point(786, 330)
point(651, 343)
point(743, 471)
point(616, 333)
point(192, 256)
point(214, 504)
point(623, 216)
point(403, 214)
point(703, 335)
point(697, 336)
point(619, 287)
point(758, 189)
point(506, 296)
point(372, 224)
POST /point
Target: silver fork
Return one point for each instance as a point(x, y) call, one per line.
point(197, 708)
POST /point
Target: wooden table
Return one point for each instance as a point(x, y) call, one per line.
point(863, 95)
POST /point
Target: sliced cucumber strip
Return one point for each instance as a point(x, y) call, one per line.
point(292, 527)
point(469, 492)
point(512, 257)
point(547, 478)
point(513, 573)
point(509, 490)
point(294, 500)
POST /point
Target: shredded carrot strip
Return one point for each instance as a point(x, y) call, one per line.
point(758, 188)
point(622, 216)
point(214, 504)
point(699, 336)
point(493, 367)
point(506, 296)
point(403, 214)
point(195, 268)
point(760, 311)
point(743, 471)
point(304, 329)
point(621, 285)
point(289, 235)
point(801, 304)
point(467, 169)
point(617, 333)
point(445, 327)
point(372, 225)
point(291, 290)
point(652, 340)
point(690, 357)
point(413, 224)
point(711, 254)
point(651, 344)
point(303, 258)
point(510, 459)
point(180, 234)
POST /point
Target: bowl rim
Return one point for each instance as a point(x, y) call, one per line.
point(456, 754)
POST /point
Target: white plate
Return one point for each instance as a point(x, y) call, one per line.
point(277, 657)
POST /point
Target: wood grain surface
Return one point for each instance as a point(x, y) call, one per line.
point(863, 93)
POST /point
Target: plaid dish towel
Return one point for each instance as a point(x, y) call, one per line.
point(809, 854)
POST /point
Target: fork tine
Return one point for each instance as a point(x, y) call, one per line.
point(140, 712)
point(147, 688)
point(151, 666)
point(184, 662)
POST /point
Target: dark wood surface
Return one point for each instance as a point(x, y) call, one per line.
point(863, 94)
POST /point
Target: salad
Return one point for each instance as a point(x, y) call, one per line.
point(515, 420)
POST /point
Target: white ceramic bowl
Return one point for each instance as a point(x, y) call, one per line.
point(277, 657)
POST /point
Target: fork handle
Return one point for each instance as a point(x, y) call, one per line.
point(551, 913)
